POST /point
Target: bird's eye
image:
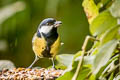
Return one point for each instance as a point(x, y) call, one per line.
point(48, 24)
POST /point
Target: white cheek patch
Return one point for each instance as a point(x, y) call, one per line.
point(45, 29)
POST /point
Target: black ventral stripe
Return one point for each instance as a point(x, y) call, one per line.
point(51, 37)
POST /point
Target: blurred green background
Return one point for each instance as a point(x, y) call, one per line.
point(19, 20)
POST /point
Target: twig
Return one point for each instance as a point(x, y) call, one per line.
point(88, 75)
point(108, 64)
point(119, 62)
point(112, 70)
point(82, 56)
point(118, 48)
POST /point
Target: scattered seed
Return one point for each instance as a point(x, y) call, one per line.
point(30, 74)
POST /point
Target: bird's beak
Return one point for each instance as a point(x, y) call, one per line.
point(57, 23)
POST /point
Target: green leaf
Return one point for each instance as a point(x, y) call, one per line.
point(104, 2)
point(103, 55)
point(95, 48)
point(60, 66)
point(102, 23)
point(88, 60)
point(83, 73)
point(111, 76)
point(72, 68)
point(90, 9)
point(100, 73)
point(79, 53)
point(111, 34)
point(92, 77)
point(117, 77)
point(65, 59)
point(69, 74)
point(115, 9)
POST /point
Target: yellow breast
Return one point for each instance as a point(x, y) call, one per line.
point(55, 47)
point(39, 45)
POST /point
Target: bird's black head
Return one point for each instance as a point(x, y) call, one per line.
point(47, 25)
point(47, 22)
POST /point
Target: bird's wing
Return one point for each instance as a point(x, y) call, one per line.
point(34, 38)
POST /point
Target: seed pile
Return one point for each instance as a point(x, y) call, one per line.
point(30, 74)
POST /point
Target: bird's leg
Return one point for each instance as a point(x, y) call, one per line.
point(53, 63)
point(35, 60)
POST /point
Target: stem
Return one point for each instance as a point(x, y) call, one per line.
point(88, 75)
point(118, 48)
point(119, 62)
point(108, 64)
point(82, 57)
point(112, 70)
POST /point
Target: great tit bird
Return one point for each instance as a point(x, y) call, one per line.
point(46, 40)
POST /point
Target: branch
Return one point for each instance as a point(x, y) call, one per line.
point(82, 56)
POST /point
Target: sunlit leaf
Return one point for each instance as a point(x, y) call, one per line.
point(111, 34)
point(67, 76)
point(111, 76)
point(102, 23)
point(100, 73)
point(115, 8)
point(60, 66)
point(83, 73)
point(65, 59)
point(105, 1)
point(95, 48)
point(88, 60)
point(72, 68)
point(90, 9)
point(78, 54)
point(103, 55)
point(102, 3)
point(92, 77)
point(117, 77)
